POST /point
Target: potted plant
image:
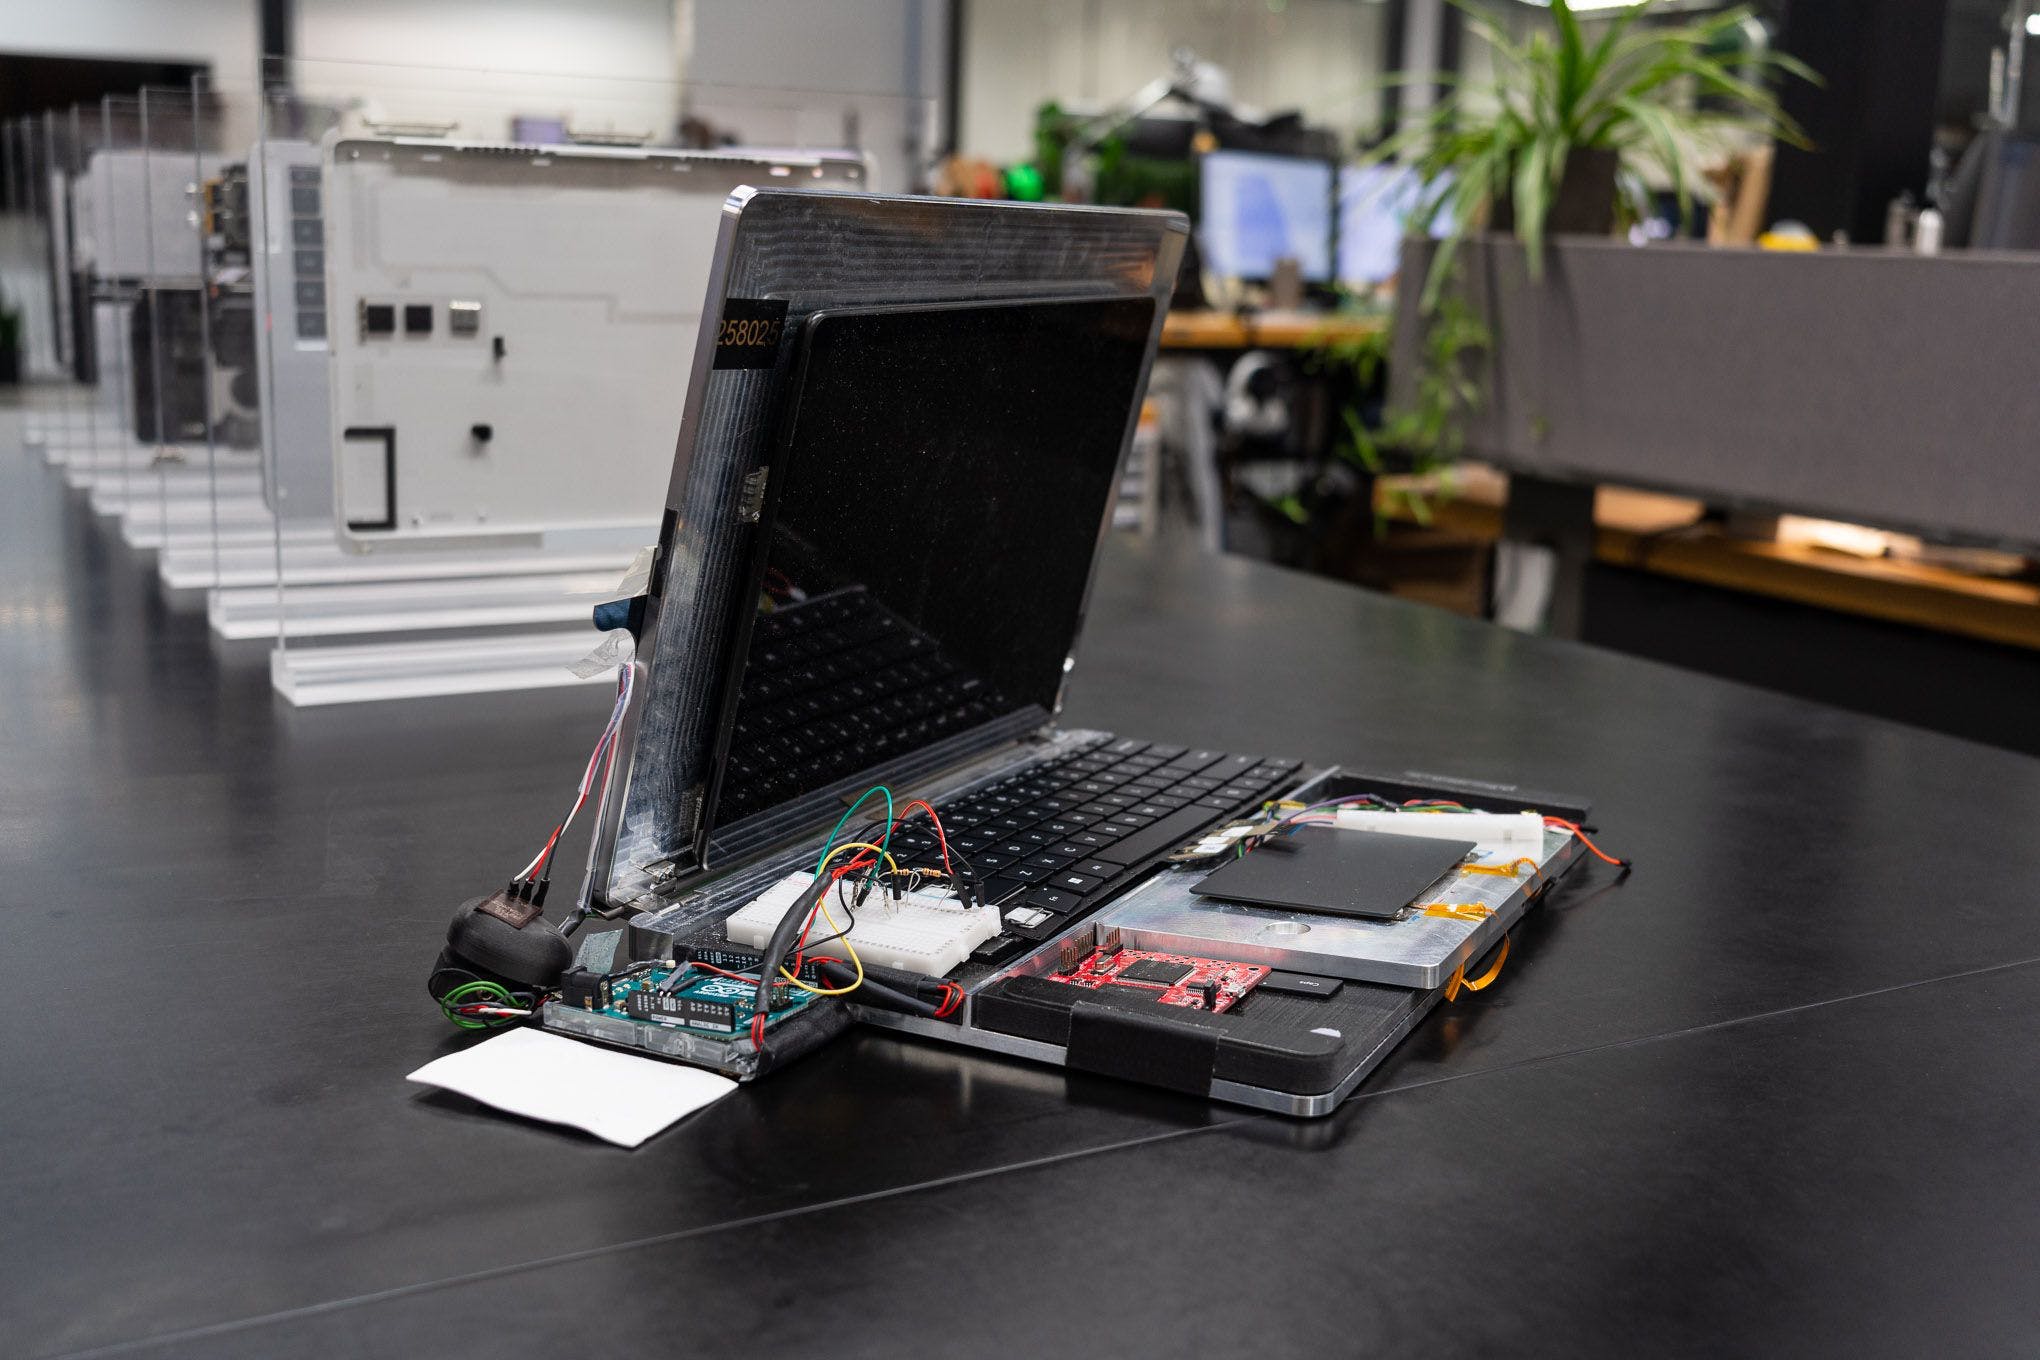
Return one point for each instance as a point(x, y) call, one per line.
point(1563, 141)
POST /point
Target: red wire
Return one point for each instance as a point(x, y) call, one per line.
point(719, 972)
point(607, 744)
point(941, 836)
point(1596, 851)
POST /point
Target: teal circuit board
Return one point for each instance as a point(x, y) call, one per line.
point(704, 1002)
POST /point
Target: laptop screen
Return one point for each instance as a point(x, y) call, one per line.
point(928, 532)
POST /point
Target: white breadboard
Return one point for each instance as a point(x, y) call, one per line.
point(1520, 831)
point(925, 932)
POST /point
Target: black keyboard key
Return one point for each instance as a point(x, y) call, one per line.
point(1048, 861)
point(1052, 900)
point(1026, 873)
point(997, 950)
point(1231, 768)
point(1064, 826)
point(1074, 883)
point(1164, 752)
point(1015, 848)
point(1126, 747)
point(1166, 834)
point(1013, 822)
point(1070, 849)
point(1190, 762)
point(990, 860)
point(1092, 841)
point(1004, 886)
point(1097, 868)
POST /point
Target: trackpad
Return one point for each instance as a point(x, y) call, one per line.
point(1337, 873)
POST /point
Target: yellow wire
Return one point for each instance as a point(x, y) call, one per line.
point(828, 916)
point(890, 864)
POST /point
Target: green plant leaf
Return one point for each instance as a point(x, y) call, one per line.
point(1658, 127)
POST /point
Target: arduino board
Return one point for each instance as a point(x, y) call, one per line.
point(1185, 980)
point(699, 1000)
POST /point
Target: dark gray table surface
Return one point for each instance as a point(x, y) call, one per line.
point(1778, 1092)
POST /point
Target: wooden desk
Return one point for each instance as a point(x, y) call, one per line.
point(1646, 532)
point(1264, 330)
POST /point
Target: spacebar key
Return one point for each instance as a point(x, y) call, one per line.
point(1156, 837)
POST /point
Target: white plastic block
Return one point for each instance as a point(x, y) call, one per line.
point(1513, 830)
point(928, 933)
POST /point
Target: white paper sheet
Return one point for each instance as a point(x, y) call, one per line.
point(615, 1096)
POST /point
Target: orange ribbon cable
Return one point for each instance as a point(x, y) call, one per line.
point(1481, 983)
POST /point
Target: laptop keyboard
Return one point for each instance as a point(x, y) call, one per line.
point(835, 685)
point(1057, 839)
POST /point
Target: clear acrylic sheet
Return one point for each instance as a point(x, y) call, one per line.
point(449, 506)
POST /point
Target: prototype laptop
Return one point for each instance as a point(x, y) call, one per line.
point(903, 437)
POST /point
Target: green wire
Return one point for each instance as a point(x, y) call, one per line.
point(885, 841)
point(470, 992)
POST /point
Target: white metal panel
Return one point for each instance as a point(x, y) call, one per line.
point(584, 271)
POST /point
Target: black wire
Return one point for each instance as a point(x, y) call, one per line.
point(843, 901)
point(837, 974)
point(776, 949)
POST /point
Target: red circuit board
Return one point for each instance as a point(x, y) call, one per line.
point(1172, 979)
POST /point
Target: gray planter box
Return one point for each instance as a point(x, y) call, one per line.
point(1865, 385)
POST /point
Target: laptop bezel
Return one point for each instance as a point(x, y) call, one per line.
point(964, 744)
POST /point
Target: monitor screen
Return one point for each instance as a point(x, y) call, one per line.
point(1257, 209)
point(928, 532)
point(1376, 203)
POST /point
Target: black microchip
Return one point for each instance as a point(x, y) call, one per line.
point(1301, 984)
point(378, 318)
point(1157, 971)
point(647, 1004)
point(417, 318)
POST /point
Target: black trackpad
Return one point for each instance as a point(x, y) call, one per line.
point(1339, 873)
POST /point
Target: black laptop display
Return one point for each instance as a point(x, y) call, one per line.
point(929, 528)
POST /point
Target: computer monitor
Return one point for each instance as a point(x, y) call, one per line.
point(1376, 203)
point(1258, 209)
